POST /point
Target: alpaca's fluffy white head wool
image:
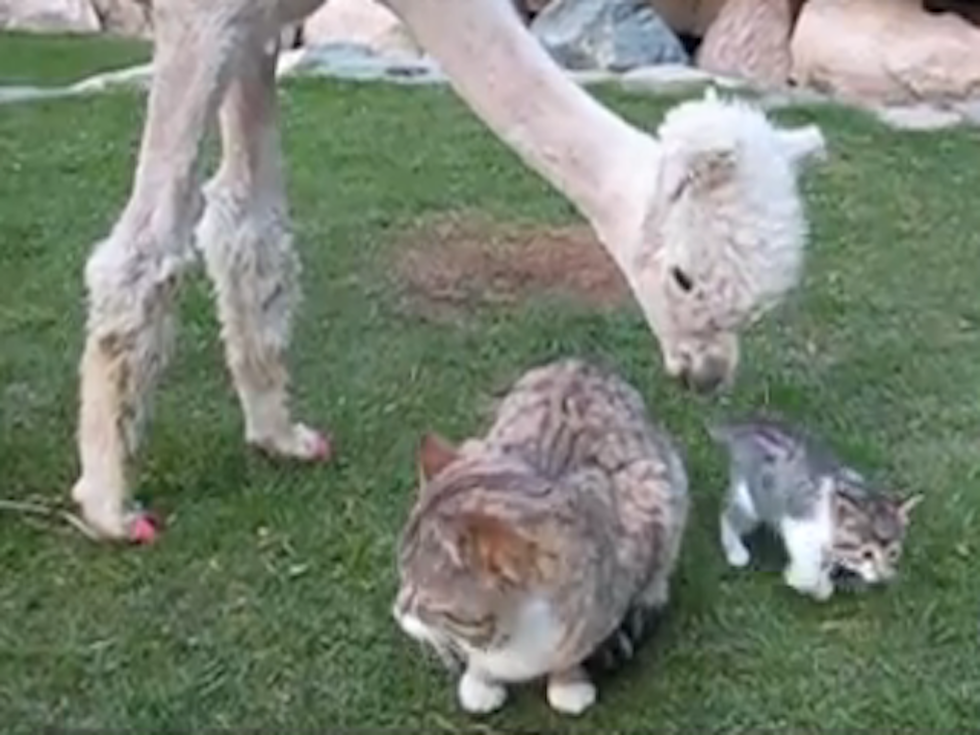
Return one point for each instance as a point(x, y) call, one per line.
point(725, 236)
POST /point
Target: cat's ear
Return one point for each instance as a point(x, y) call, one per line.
point(906, 506)
point(434, 455)
point(496, 550)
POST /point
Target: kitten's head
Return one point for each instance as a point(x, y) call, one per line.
point(464, 569)
point(870, 533)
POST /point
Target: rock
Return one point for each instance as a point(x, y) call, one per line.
point(357, 62)
point(606, 34)
point(664, 79)
point(49, 16)
point(868, 51)
point(750, 39)
point(969, 110)
point(693, 17)
point(125, 17)
point(363, 22)
point(134, 77)
point(918, 117)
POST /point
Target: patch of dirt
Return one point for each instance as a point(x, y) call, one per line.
point(452, 265)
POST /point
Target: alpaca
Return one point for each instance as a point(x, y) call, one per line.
point(704, 221)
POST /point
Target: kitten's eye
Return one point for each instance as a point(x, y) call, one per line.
point(681, 279)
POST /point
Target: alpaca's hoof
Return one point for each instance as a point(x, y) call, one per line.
point(322, 448)
point(102, 518)
point(143, 528)
point(301, 443)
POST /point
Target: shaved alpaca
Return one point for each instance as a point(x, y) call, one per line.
point(216, 59)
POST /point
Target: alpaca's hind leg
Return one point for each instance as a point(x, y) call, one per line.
point(247, 244)
point(131, 277)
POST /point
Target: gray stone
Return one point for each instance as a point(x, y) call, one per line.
point(664, 79)
point(918, 117)
point(358, 62)
point(792, 97)
point(617, 35)
point(970, 110)
point(26, 94)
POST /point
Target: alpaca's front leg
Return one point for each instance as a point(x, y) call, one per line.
point(247, 244)
point(132, 275)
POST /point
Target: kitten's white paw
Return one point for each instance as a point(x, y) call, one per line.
point(737, 556)
point(735, 551)
point(571, 698)
point(823, 590)
point(819, 588)
point(479, 696)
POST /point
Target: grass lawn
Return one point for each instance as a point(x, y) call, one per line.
point(267, 605)
point(51, 60)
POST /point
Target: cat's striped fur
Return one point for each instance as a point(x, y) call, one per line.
point(544, 544)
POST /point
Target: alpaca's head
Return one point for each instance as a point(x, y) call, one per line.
point(724, 238)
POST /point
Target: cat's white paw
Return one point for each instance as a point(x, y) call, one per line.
point(478, 696)
point(571, 697)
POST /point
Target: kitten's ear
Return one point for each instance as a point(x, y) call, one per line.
point(497, 550)
point(906, 506)
point(434, 455)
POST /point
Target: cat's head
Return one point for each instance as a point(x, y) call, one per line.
point(464, 568)
point(870, 533)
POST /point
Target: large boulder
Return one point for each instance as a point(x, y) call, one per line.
point(612, 35)
point(750, 39)
point(362, 22)
point(885, 52)
point(49, 16)
point(692, 17)
point(125, 17)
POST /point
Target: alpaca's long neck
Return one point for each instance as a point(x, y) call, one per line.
point(511, 83)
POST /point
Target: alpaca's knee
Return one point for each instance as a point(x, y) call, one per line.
point(131, 290)
point(255, 270)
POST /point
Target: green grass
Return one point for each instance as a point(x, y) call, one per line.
point(267, 604)
point(56, 59)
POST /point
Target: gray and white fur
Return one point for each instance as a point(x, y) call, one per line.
point(829, 517)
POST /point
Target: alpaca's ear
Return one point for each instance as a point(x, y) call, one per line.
point(804, 144)
point(709, 169)
point(703, 170)
point(434, 455)
point(496, 551)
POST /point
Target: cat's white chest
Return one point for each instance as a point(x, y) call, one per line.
point(531, 650)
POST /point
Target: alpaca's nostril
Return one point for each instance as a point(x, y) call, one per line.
point(707, 379)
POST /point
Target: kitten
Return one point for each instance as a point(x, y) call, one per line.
point(553, 536)
point(828, 515)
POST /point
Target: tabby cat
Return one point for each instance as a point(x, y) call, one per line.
point(830, 518)
point(545, 542)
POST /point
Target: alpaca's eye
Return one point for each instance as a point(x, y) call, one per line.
point(681, 279)
point(868, 555)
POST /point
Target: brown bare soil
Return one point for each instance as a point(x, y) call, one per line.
point(452, 265)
